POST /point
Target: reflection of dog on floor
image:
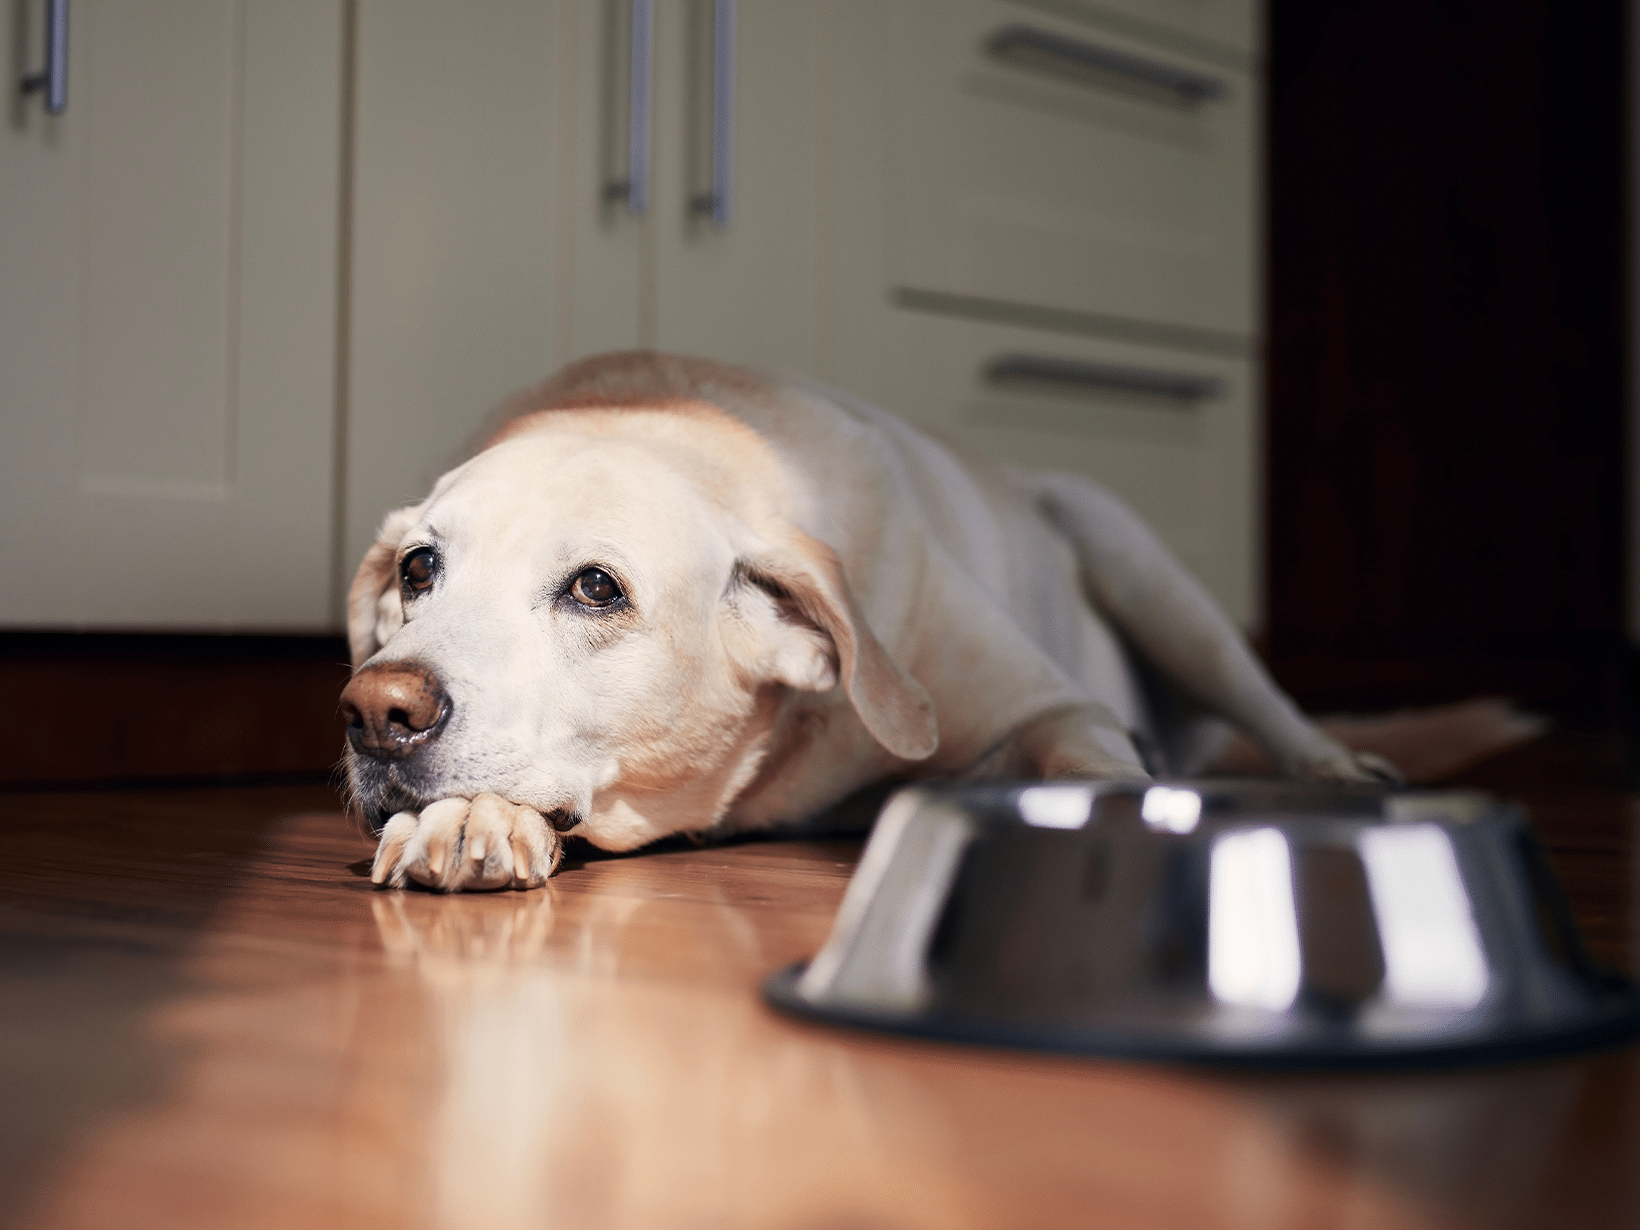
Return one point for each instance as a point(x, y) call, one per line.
point(675, 596)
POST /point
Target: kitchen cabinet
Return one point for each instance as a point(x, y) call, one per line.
point(1052, 250)
point(277, 265)
point(168, 287)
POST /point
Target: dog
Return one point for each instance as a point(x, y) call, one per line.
point(674, 596)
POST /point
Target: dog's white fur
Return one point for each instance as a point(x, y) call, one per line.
point(819, 597)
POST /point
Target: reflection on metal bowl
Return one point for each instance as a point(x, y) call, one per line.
point(1217, 922)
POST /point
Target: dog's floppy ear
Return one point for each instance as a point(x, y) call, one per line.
point(373, 609)
point(815, 635)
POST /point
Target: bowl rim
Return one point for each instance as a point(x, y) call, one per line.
point(1612, 1020)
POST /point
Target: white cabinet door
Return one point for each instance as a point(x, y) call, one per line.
point(755, 290)
point(490, 245)
point(168, 285)
point(485, 250)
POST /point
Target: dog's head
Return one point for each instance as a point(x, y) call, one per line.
point(600, 617)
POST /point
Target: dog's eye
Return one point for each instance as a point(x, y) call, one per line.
point(418, 568)
point(594, 587)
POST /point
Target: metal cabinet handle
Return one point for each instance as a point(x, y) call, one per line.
point(1185, 386)
point(53, 82)
point(1034, 47)
point(718, 202)
point(634, 189)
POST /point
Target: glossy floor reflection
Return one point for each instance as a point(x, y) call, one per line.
point(210, 1019)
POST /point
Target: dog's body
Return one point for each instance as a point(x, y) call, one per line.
point(675, 596)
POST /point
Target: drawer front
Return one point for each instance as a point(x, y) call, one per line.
point(1037, 160)
point(1171, 432)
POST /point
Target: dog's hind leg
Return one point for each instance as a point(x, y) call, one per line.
point(1171, 619)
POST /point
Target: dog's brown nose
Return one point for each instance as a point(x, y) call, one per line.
point(394, 708)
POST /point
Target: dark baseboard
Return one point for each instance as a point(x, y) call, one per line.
point(132, 708)
point(127, 709)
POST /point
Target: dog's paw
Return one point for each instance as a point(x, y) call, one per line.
point(464, 845)
point(1352, 768)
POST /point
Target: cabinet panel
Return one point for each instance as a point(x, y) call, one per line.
point(167, 318)
point(1022, 174)
point(751, 291)
point(484, 251)
point(160, 181)
point(1187, 465)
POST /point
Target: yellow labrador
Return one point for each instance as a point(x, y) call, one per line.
point(676, 596)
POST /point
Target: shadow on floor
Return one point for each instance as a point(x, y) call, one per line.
point(103, 893)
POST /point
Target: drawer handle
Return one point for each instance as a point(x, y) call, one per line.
point(1106, 377)
point(716, 203)
point(634, 189)
point(53, 82)
point(1034, 47)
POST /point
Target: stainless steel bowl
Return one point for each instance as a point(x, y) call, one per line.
point(1224, 922)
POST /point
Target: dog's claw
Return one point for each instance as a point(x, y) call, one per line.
point(1380, 768)
point(396, 834)
point(1351, 768)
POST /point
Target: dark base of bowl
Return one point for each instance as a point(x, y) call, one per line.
point(1611, 1018)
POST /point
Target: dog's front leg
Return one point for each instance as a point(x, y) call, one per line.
point(457, 845)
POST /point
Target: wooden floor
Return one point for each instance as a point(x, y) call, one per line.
point(208, 1018)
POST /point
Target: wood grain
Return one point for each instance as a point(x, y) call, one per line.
point(208, 1018)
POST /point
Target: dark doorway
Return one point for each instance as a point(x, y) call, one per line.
point(1447, 352)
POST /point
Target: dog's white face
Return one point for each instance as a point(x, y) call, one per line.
point(597, 632)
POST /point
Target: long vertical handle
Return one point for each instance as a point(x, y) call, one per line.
point(640, 117)
point(719, 202)
point(53, 82)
